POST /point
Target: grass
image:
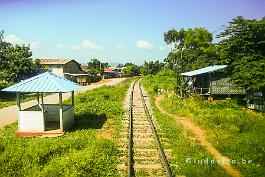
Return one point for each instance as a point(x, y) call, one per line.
point(235, 131)
point(183, 146)
point(90, 149)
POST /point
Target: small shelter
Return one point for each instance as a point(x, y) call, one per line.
point(211, 80)
point(40, 118)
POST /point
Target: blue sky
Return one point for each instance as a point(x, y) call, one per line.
point(114, 31)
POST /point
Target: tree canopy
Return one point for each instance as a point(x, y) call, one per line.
point(16, 63)
point(131, 69)
point(242, 48)
point(192, 49)
point(95, 66)
point(151, 67)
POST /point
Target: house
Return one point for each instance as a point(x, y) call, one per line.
point(112, 72)
point(69, 69)
point(109, 73)
point(211, 80)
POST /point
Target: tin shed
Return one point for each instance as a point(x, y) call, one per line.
point(211, 80)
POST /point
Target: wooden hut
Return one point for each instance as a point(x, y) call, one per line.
point(41, 118)
point(211, 80)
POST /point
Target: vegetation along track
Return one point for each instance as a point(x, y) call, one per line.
point(140, 143)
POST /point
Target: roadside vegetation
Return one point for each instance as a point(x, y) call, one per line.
point(89, 149)
point(235, 131)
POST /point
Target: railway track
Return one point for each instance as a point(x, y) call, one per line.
point(140, 141)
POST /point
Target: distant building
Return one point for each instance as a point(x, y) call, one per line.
point(70, 69)
point(84, 68)
point(110, 73)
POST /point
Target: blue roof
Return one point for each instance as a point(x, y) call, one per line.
point(46, 83)
point(208, 69)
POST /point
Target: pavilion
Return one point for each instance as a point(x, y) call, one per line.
point(42, 118)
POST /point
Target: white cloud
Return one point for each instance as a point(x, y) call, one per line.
point(74, 47)
point(90, 45)
point(36, 45)
point(142, 44)
point(161, 48)
point(120, 47)
point(13, 39)
point(84, 45)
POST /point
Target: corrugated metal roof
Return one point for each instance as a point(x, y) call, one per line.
point(46, 82)
point(54, 61)
point(204, 70)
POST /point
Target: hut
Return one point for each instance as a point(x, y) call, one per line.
point(211, 80)
point(41, 119)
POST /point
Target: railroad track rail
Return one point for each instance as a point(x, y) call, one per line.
point(141, 141)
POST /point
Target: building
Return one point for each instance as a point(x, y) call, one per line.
point(110, 73)
point(69, 69)
point(84, 68)
point(211, 80)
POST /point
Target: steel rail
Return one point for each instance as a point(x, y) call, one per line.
point(162, 153)
point(130, 148)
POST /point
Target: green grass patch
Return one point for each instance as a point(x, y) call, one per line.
point(235, 131)
point(80, 152)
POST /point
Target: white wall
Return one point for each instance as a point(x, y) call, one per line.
point(58, 71)
point(68, 118)
point(31, 121)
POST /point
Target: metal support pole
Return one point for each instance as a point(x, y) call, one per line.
point(73, 98)
point(38, 98)
point(18, 109)
point(61, 110)
point(42, 102)
point(18, 102)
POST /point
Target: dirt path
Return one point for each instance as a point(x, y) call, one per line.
point(200, 133)
point(9, 114)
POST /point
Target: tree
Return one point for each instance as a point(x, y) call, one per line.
point(242, 48)
point(151, 67)
point(120, 65)
point(16, 63)
point(132, 70)
point(95, 66)
point(192, 49)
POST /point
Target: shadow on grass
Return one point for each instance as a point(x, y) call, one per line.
point(89, 121)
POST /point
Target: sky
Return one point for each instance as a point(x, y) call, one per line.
point(113, 31)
